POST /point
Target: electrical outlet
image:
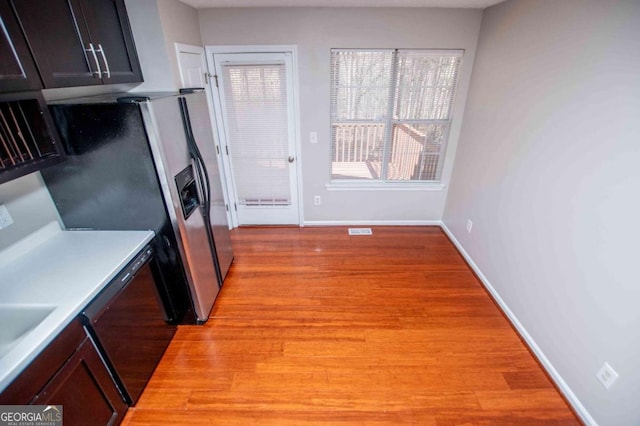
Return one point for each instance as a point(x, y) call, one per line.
point(317, 200)
point(607, 375)
point(5, 217)
point(313, 137)
point(469, 225)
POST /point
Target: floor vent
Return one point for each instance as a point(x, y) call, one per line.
point(360, 231)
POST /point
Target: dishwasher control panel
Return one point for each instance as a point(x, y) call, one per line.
point(94, 309)
point(133, 267)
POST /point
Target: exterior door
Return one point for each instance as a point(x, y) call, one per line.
point(256, 122)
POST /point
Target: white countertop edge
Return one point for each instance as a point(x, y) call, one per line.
point(21, 355)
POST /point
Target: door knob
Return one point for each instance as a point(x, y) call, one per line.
point(291, 158)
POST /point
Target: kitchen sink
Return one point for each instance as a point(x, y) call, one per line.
point(17, 321)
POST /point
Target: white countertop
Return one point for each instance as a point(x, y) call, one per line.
point(61, 269)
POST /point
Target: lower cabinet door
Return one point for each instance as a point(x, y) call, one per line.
point(85, 390)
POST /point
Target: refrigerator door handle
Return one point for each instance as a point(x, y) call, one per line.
point(203, 178)
point(201, 195)
point(198, 162)
point(206, 185)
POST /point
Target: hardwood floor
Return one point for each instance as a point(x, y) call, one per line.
point(314, 326)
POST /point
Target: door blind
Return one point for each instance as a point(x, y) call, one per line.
point(255, 97)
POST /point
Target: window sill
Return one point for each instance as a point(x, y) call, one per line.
point(383, 186)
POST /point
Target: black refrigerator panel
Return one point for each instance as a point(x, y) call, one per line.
point(174, 290)
point(109, 182)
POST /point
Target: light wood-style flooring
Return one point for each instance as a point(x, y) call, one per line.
point(313, 327)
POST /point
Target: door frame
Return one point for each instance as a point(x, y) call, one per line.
point(199, 50)
point(217, 107)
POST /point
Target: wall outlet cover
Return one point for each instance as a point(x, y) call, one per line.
point(607, 375)
point(5, 217)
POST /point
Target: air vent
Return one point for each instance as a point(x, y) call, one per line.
point(360, 231)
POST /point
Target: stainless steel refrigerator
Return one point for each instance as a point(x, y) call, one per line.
point(148, 161)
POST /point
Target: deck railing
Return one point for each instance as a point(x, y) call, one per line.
point(411, 156)
point(358, 142)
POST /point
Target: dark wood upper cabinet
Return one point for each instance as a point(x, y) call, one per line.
point(17, 70)
point(79, 42)
point(110, 31)
point(57, 36)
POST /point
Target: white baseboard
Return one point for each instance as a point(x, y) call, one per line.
point(372, 223)
point(555, 376)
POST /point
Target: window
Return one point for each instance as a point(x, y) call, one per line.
point(391, 113)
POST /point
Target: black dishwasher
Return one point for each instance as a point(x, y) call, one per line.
point(127, 324)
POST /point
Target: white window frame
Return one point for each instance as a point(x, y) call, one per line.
point(394, 184)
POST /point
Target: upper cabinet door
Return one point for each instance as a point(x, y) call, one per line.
point(110, 33)
point(17, 70)
point(79, 42)
point(59, 41)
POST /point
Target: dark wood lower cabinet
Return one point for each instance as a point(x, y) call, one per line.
point(69, 372)
point(85, 390)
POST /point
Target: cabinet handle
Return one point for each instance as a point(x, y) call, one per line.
point(104, 58)
point(95, 58)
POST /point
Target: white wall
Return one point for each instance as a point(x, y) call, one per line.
point(548, 169)
point(30, 206)
point(315, 31)
point(156, 26)
point(180, 24)
point(149, 38)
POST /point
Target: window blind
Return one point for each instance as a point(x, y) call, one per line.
point(391, 111)
point(256, 103)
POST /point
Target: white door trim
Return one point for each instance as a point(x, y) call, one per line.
point(277, 48)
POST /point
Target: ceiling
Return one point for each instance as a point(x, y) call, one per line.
point(476, 4)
